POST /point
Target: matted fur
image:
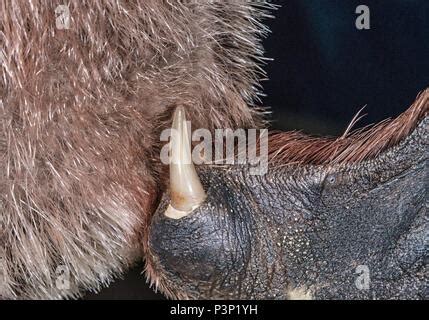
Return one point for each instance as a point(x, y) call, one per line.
point(80, 115)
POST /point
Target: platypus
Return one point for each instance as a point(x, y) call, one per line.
point(87, 89)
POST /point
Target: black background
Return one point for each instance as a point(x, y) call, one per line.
point(325, 70)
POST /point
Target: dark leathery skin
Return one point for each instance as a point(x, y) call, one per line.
point(303, 228)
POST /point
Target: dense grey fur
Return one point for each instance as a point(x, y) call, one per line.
point(80, 114)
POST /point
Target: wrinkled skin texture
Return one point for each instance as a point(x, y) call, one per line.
point(301, 231)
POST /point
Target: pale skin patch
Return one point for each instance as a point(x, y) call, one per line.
point(173, 213)
point(301, 293)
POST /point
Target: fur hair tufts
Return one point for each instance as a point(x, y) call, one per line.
point(80, 114)
point(363, 144)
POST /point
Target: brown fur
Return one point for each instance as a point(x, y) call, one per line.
point(366, 143)
point(80, 115)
